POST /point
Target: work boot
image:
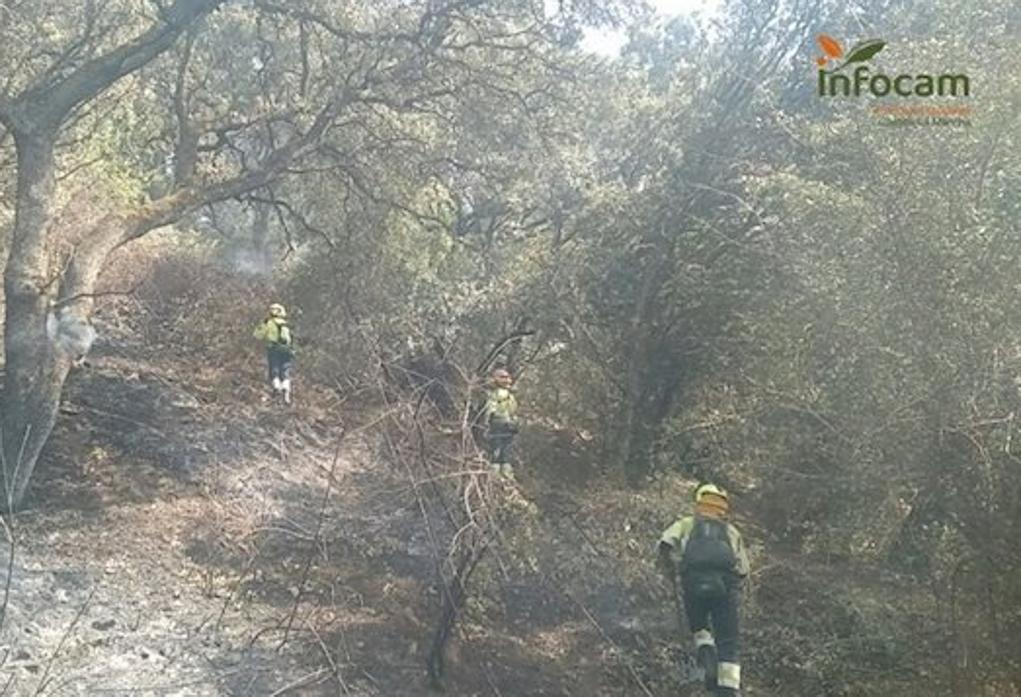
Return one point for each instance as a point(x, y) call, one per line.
point(707, 659)
point(728, 679)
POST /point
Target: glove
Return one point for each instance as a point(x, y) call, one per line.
point(663, 561)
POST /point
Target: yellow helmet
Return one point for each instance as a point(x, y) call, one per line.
point(703, 490)
point(277, 310)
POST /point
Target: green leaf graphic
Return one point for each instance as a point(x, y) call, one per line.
point(865, 50)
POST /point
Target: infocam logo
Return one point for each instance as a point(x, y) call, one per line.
point(860, 79)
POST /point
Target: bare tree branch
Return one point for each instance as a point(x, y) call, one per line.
point(46, 105)
point(281, 204)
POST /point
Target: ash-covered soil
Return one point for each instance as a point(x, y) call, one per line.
point(183, 537)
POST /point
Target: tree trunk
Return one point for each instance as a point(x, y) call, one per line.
point(455, 593)
point(37, 362)
point(35, 369)
point(633, 451)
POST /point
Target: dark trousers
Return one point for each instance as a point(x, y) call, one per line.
point(499, 438)
point(717, 613)
point(279, 363)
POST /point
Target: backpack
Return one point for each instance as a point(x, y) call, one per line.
point(279, 344)
point(708, 556)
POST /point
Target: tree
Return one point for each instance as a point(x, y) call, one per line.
point(256, 94)
point(36, 365)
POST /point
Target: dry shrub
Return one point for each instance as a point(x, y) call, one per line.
point(173, 296)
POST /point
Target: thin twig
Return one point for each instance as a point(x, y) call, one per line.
point(303, 681)
point(99, 294)
point(602, 632)
point(329, 658)
point(45, 679)
point(314, 547)
point(9, 532)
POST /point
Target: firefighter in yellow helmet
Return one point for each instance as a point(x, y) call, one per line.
point(499, 417)
point(706, 554)
point(276, 335)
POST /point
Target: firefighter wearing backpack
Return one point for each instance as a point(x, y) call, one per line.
point(276, 335)
point(499, 416)
point(708, 555)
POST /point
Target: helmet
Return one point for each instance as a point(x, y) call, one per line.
point(703, 490)
point(277, 310)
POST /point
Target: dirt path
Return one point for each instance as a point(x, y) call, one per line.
point(137, 567)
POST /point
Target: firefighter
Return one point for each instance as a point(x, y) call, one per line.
point(499, 416)
point(276, 335)
point(705, 555)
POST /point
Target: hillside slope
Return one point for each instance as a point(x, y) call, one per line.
point(175, 516)
point(184, 537)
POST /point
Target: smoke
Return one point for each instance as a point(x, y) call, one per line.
point(250, 263)
point(70, 334)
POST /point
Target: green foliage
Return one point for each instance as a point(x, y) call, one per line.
point(722, 277)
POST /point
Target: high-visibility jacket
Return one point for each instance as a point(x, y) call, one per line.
point(501, 406)
point(676, 536)
point(275, 333)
